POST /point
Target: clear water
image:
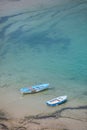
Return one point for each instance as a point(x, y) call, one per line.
point(44, 46)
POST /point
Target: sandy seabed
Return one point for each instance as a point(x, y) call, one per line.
point(9, 7)
point(68, 118)
point(43, 124)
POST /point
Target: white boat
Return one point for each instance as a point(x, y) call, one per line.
point(57, 101)
point(34, 89)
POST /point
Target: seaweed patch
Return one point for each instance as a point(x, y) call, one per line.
point(2, 32)
point(56, 114)
point(3, 115)
point(3, 19)
point(3, 127)
point(85, 93)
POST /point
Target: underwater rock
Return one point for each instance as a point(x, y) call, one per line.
point(3, 127)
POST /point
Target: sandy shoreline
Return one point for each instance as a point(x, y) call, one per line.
point(53, 121)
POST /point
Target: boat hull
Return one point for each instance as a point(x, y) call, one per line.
point(34, 89)
point(57, 101)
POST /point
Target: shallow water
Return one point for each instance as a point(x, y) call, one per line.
point(43, 46)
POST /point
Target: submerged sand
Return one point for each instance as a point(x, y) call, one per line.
point(8, 7)
point(47, 124)
point(53, 121)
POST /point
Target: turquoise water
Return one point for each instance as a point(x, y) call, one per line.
point(44, 46)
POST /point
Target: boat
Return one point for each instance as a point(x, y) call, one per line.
point(57, 101)
point(34, 89)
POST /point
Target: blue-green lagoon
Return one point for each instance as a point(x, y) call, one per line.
point(44, 46)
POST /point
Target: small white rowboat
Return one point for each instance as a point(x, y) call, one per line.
point(57, 101)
